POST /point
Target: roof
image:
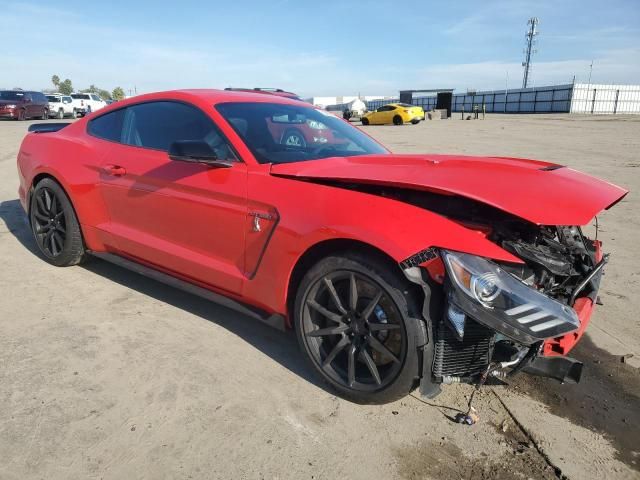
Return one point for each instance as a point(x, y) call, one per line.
point(203, 98)
point(212, 96)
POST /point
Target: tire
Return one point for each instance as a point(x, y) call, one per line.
point(74, 114)
point(397, 120)
point(22, 115)
point(88, 110)
point(45, 115)
point(293, 138)
point(415, 121)
point(60, 114)
point(55, 226)
point(365, 121)
point(359, 336)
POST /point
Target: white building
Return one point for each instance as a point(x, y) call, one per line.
point(324, 102)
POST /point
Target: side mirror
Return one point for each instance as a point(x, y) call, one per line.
point(196, 151)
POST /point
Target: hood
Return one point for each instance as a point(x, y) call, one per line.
point(540, 192)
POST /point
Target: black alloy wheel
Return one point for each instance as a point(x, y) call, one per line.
point(294, 138)
point(54, 224)
point(49, 225)
point(355, 329)
point(365, 121)
point(397, 120)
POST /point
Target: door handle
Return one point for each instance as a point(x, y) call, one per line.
point(115, 170)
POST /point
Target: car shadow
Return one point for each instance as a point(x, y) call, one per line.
point(280, 346)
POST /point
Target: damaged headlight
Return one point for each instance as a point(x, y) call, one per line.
point(495, 298)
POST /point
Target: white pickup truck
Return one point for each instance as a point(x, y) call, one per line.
point(87, 102)
point(61, 106)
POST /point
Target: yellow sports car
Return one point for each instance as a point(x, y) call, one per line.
point(396, 113)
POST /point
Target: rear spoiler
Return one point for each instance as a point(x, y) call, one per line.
point(47, 127)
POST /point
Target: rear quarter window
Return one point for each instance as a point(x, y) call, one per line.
point(108, 126)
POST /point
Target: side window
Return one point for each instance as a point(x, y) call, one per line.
point(107, 127)
point(385, 108)
point(157, 125)
point(95, 98)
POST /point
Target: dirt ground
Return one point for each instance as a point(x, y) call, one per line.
point(107, 375)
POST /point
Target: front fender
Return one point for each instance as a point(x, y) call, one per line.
point(396, 228)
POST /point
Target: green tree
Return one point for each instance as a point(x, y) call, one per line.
point(117, 94)
point(56, 81)
point(104, 94)
point(66, 88)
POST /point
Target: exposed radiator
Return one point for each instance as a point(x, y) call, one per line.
point(470, 356)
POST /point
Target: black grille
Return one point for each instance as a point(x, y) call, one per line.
point(470, 356)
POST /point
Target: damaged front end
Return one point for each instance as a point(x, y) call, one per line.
point(500, 318)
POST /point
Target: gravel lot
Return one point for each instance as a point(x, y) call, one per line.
point(106, 374)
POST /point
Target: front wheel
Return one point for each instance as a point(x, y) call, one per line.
point(55, 226)
point(353, 319)
point(415, 121)
point(74, 113)
point(365, 121)
point(397, 120)
point(22, 115)
point(45, 115)
point(60, 114)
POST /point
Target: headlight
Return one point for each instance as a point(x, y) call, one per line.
point(495, 298)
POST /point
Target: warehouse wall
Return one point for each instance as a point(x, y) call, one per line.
point(605, 99)
point(578, 98)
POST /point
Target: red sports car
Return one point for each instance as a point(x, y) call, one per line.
point(394, 270)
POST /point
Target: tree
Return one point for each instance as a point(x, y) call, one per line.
point(66, 88)
point(56, 81)
point(117, 94)
point(104, 94)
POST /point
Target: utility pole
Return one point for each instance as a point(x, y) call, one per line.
point(529, 50)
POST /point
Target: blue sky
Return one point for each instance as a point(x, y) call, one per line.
point(315, 47)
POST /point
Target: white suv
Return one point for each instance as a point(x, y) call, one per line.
point(61, 106)
point(87, 102)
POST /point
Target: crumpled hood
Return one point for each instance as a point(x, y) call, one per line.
point(540, 192)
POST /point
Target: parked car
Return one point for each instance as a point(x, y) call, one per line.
point(85, 103)
point(395, 113)
point(61, 106)
point(393, 270)
point(22, 105)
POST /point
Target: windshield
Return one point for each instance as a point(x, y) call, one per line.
point(10, 95)
point(279, 133)
point(51, 98)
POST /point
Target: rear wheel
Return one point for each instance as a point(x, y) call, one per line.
point(365, 121)
point(60, 114)
point(55, 225)
point(353, 320)
point(397, 120)
point(74, 113)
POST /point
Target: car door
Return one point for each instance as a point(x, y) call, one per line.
point(182, 217)
point(28, 105)
point(382, 115)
